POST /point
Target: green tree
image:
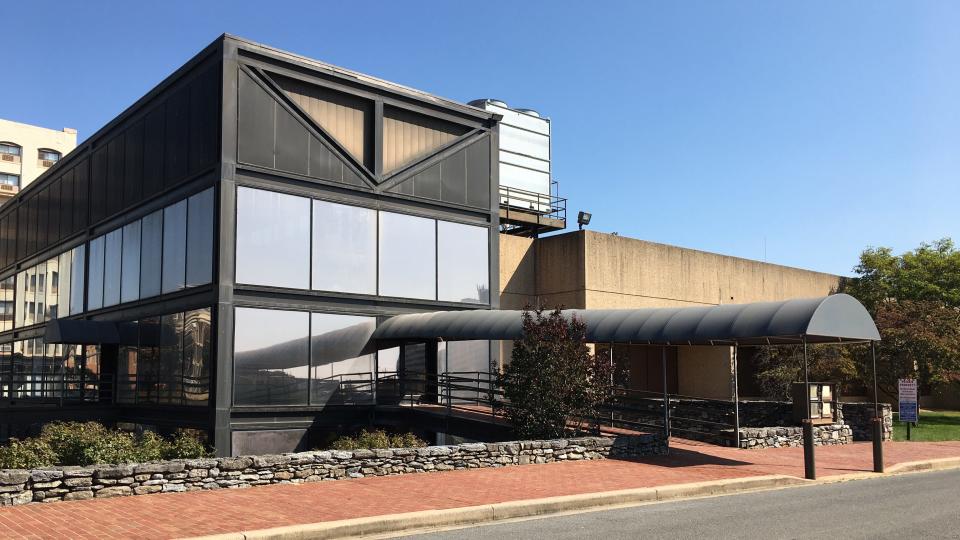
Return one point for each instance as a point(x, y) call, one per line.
point(778, 367)
point(552, 378)
point(915, 300)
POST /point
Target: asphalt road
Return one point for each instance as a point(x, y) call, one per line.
point(923, 505)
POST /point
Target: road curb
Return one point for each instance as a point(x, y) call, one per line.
point(477, 515)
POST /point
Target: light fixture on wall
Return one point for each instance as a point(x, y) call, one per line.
point(583, 218)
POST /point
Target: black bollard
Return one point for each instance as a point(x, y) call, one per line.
point(878, 445)
point(809, 460)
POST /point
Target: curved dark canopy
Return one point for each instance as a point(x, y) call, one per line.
point(838, 318)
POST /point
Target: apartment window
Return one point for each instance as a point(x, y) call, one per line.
point(46, 158)
point(10, 152)
point(10, 179)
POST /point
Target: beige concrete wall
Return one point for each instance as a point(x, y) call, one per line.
point(586, 269)
point(705, 372)
point(625, 272)
point(541, 273)
point(31, 139)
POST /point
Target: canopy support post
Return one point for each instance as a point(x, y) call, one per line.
point(666, 397)
point(736, 398)
point(809, 459)
point(877, 417)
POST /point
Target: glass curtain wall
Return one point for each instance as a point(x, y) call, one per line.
point(350, 249)
point(277, 351)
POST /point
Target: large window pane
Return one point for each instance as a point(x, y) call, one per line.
point(6, 303)
point(151, 246)
point(463, 266)
point(340, 358)
point(200, 239)
point(273, 239)
point(39, 282)
point(148, 360)
point(64, 294)
point(171, 359)
point(270, 357)
point(95, 283)
point(111, 269)
point(20, 309)
point(130, 282)
point(53, 284)
point(174, 247)
point(344, 248)
point(127, 363)
point(76, 279)
point(407, 256)
point(196, 357)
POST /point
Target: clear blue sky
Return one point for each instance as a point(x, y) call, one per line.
point(814, 128)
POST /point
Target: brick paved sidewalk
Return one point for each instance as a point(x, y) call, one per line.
point(176, 515)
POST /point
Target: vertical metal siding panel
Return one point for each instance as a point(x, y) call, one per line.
point(292, 143)
point(21, 245)
point(66, 205)
point(344, 117)
point(454, 175)
point(98, 185)
point(478, 173)
point(203, 119)
point(154, 151)
point(133, 165)
point(81, 194)
point(177, 137)
point(115, 172)
point(53, 216)
point(256, 110)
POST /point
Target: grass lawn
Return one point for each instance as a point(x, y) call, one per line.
point(934, 426)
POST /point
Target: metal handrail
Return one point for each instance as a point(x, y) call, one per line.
point(545, 204)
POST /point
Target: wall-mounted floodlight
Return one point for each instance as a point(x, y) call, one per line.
point(583, 218)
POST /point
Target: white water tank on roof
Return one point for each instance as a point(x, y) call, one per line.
point(524, 150)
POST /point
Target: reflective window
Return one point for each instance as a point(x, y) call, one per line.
point(95, 283)
point(344, 248)
point(149, 386)
point(76, 279)
point(407, 256)
point(127, 363)
point(20, 308)
point(52, 281)
point(130, 282)
point(270, 357)
point(6, 303)
point(200, 238)
point(463, 266)
point(151, 246)
point(111, 269)
point(64, 293)
point(273, 239)
point(38, 283)
point(340, 358)
point(171, 359)
point(174, 247)
point(196, 357)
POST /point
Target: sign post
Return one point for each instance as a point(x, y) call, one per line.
point(908, 406)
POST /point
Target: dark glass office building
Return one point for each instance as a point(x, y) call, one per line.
point(218, 255)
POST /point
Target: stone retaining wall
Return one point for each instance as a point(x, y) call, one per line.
point(859, 416)
point(77, 483)
point(792, 436)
